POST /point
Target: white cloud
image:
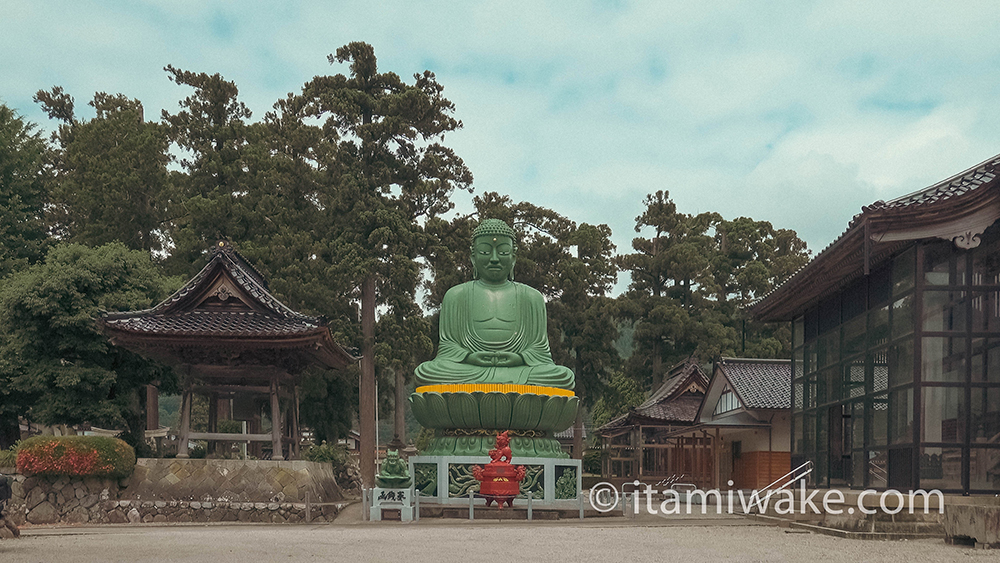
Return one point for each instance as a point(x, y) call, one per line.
point(798, 113)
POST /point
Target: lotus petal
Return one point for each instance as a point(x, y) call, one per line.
point(551, 413)
point(418, 406)
point(567, 416)
point(463, 410)
point(527, 411)
point(494, 409)
point(436, 409)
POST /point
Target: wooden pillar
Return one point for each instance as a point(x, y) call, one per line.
point(276, 453)
point(225, 410)
point(296, 432)
point(642, 452)
point(706, 458)
point(255, 426)
point(182, 446)
point(213, 419)
point(717, 473)
point(152, 407)
point(699, 469)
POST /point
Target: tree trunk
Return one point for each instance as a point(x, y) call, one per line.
point(10, 432)
point(367, 391)
point(657, 367)
point(400, 407)
point(578, 425)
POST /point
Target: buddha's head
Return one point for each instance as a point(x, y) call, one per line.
point(493, 252)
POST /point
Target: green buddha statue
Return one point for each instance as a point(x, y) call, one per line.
point(493, 371)
point(492, 329)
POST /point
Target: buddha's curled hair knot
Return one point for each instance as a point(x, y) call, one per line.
point(491, 227)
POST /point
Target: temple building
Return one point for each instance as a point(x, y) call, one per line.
point(746, 411)
point(706, 431)
point(636, 444)
point(896, 343)
point(232, 341)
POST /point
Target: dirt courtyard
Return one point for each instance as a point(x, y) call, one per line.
point(443, 541)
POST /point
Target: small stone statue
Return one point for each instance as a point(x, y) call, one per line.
point(395, 473)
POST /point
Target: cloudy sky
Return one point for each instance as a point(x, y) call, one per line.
point(793, 112)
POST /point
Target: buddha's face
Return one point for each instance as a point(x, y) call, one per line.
point(493, 257)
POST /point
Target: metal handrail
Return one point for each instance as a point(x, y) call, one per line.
point(670, 480)
point(791, 477)
point(878, 470)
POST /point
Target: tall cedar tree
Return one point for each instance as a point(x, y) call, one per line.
point(23, 173)
point(111, 176)
point(259, 185)
point(668, 270)
point(215, 195)
point(692, 278)
point(386, 178)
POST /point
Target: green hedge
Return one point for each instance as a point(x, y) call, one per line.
point(8, 458)
point(81, 456)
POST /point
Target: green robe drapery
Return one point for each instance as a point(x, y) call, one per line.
point(528, 338)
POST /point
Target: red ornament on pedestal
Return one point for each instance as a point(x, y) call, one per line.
point(499, 481)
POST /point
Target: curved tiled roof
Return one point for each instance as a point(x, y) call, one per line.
point(226, 304)
point(844, 259)
point(760, 384)
point(670, 403)
point(173, 316)
point(225, 256)
point(955, 186)
point(218, 323)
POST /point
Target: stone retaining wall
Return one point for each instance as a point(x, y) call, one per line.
point(171, 490)
point(226, 480)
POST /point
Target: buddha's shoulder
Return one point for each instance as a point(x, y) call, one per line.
point(458, 291)
point(529, 292)
point(463, 290)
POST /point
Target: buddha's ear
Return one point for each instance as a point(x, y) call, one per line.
point(513, 261)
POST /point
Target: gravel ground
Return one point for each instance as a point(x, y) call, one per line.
point(442, 541)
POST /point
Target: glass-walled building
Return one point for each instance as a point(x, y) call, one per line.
point(896, 343)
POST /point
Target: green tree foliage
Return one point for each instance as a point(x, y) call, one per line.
point(216, 195)
point(387, 175)
point(22, 192)
point(55, 367)
point(621, 393)
point(111, 175)
point(670, 272)
point(328, 402)
point(691, 280)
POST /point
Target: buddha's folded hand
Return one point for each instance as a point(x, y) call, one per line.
point(494, 359)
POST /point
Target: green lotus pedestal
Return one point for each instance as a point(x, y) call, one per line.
point(467, 423)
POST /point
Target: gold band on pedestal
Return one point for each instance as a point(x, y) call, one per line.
point(495, 388)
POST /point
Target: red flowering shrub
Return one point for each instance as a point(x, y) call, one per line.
point(82, 456)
